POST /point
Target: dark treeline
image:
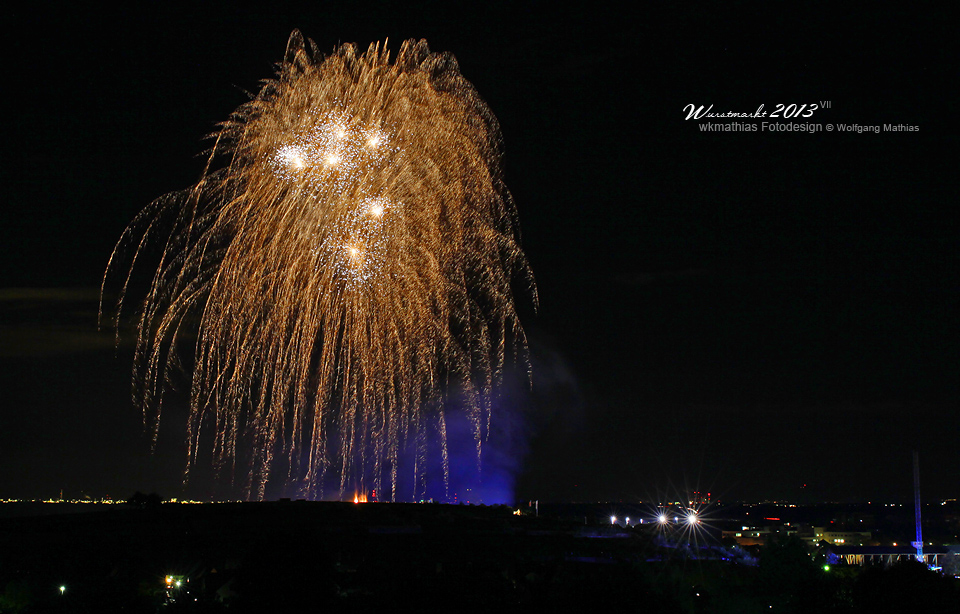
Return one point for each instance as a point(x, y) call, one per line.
point(301, 556)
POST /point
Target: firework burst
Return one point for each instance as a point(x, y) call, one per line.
point(345, 259)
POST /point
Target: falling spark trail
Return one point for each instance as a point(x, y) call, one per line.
point(345, 263)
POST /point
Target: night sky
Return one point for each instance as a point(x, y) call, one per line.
point(758, 315)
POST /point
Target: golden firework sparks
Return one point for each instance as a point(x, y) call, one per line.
point(347, 255)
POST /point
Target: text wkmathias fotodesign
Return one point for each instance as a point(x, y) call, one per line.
point(808, 127)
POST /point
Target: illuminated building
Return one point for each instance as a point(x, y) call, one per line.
point(841, 537)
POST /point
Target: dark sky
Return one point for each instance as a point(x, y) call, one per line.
point(742, 313)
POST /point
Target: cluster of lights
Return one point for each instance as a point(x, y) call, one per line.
point(690, 518)
point(336, 158)
point(331, 151)
point(105, 501)
point(177, 588)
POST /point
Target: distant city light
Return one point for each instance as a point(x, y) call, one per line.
point(613, 520)
point(63, 589)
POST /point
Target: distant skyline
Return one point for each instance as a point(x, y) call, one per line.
point(743, 313)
